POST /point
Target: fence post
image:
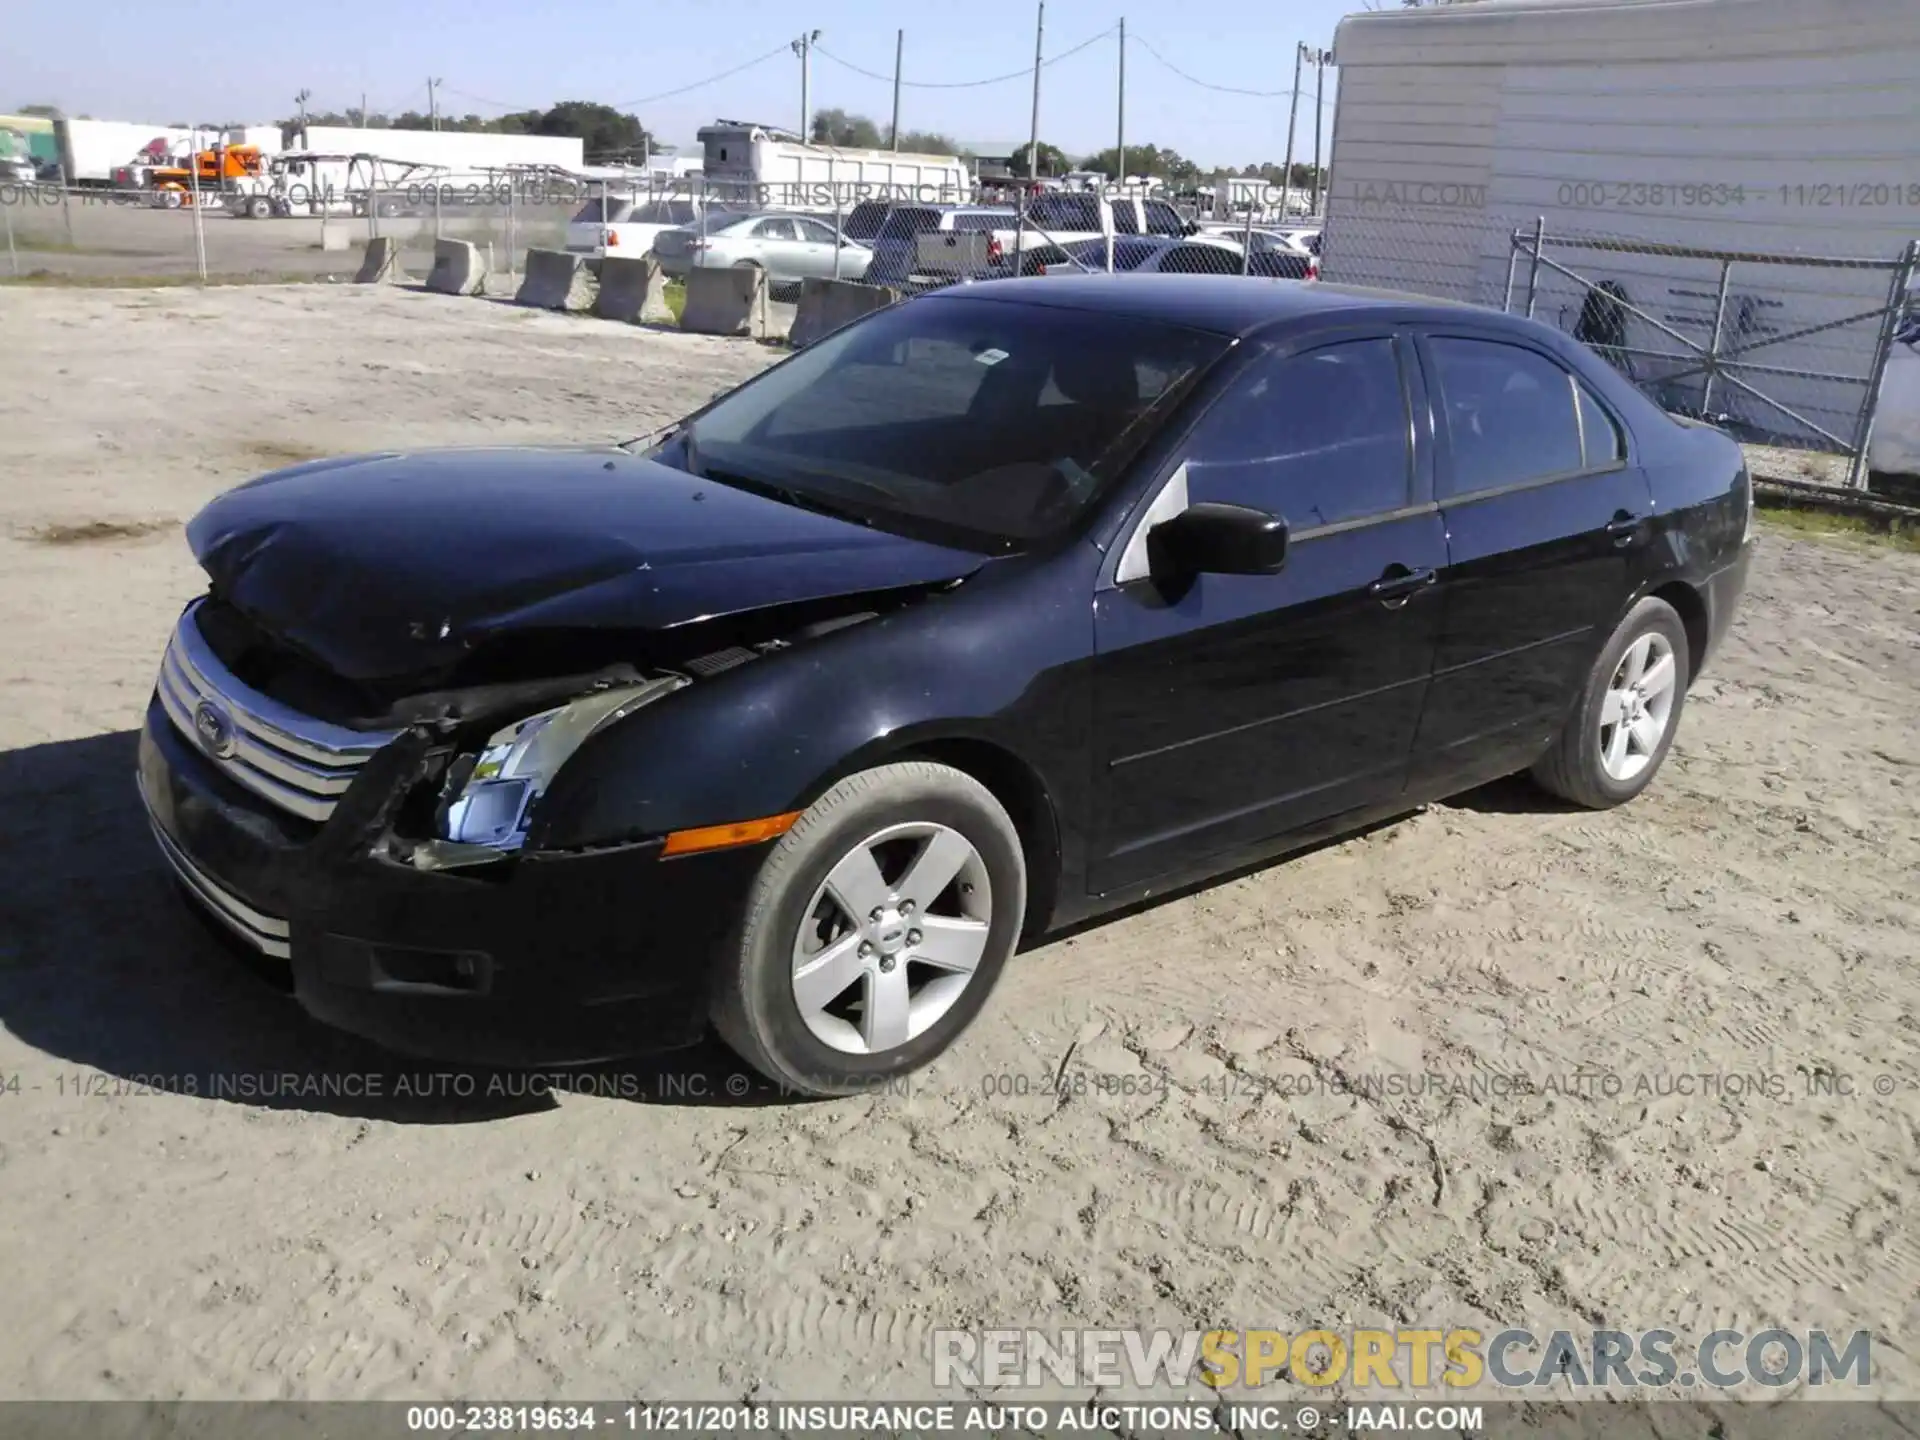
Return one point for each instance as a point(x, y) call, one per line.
point(513, 192)
point(12, 254)
point(1713, 340)
point(1858, 471)
point(1533, 270)
point(833, 184)
point(1513, 264)
point(66, 209)
point(437, 188)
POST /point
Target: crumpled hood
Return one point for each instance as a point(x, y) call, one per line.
point(387, 565)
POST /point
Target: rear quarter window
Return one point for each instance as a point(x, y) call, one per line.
point(904, 224)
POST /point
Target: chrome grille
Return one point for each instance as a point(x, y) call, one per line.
point(301, 764)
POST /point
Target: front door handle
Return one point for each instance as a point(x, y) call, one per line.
point(1624, 526)
point(1399, 584)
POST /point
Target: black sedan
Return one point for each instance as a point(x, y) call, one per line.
point(997, 610)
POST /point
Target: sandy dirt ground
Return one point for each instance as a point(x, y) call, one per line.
point(1677, 1045)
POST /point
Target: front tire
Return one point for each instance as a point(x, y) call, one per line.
point(875, 931)
point(1625, 721)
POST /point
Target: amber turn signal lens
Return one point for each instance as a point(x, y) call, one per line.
point(723, 837)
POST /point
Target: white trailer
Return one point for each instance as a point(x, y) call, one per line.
point(1769, 127)
point(91, 150)
point(773, 168)
point(455, 151)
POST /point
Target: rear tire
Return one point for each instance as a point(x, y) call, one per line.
point(826, 1001)
point(1620, 731)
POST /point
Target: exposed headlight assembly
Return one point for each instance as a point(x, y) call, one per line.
point(488, 805)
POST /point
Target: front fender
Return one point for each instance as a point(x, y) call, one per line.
point(1003, 660)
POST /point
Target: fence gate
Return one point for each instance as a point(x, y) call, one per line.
point(1683, 324)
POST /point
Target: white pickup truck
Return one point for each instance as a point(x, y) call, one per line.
point(928, 244)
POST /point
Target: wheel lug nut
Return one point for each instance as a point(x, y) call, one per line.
point(866, 949)
point(887, 963)
point(913, 937)
point(906, 907)
point(876, 914)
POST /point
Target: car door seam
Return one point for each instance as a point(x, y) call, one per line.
point(1242, 729)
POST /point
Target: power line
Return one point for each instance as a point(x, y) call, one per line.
point(966, 84)
point(1146, 45)
point(780, 49)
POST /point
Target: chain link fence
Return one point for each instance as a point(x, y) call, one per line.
point(1783, 346)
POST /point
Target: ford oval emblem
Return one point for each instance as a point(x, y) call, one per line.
point(218, 735)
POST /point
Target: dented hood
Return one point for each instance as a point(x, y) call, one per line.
point(387, 565)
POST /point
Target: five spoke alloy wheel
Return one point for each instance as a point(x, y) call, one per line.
point(1638, 705)
point(893, 937)
point(875, 931)
point(1624, 722)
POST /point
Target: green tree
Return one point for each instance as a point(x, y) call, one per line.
point(607, 133)
point(1052, 160)
point(927, 142)
point(45, 112)
point(838, 127)
point(1146, 160)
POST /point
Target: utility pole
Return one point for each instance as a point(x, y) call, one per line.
point(363, 109)
point(803, 47)
point(433, 108)
point(1033, 138)
point(1293, 116)
point(1120, 131)
point(301, 100)
point(899, 51)
point(1320, 58)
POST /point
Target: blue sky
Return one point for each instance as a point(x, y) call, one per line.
point(98, 56)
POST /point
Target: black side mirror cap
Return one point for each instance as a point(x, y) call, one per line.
point(1215, 539)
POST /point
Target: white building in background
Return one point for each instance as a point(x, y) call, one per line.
point(1755, 125)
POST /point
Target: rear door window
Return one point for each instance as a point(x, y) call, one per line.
point(1065, 213)
point(1510, 412)
point(1163, 219)
point(1318, 438)
point(909, 221)
point(866, 218)
point(1125, 222)
point(774, 230)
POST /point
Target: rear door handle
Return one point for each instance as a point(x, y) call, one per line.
point(1624, 527)
point(1395, 589)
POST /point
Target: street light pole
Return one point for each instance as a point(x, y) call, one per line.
point(1293, 117)
point(433, 107)
point(1120, 133)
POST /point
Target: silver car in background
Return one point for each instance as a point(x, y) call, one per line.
point(789, 248)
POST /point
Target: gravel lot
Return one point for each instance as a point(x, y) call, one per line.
point(1753, 917)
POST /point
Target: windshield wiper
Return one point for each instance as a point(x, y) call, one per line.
point(786, 494)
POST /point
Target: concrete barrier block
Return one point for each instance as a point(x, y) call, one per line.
point(458, 268)
point(556, 280)
point(381, 264)
point(726, 302)
point(826, 305)
point(632, 290)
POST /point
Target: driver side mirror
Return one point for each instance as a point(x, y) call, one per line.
point(1214, 539)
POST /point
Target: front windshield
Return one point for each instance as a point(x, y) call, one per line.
point(977, 422)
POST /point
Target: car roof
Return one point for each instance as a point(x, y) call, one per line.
point(1224, 304)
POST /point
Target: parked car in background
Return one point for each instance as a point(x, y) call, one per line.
point(972, 241)
point(1202, 254)
point(985, 615)
point(789, 248)
point(629, 225)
